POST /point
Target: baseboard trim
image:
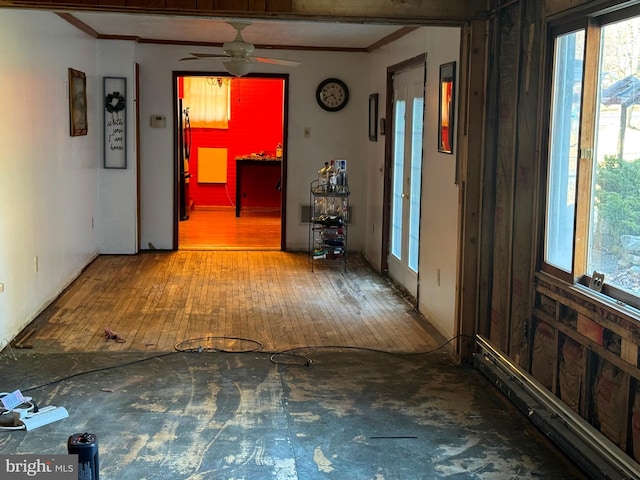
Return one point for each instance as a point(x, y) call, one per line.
point(598, 456)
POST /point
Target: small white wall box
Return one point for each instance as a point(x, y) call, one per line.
point(158, 121)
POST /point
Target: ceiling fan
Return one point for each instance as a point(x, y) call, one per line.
point(239, 54)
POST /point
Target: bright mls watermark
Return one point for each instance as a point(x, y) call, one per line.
point(44, 467)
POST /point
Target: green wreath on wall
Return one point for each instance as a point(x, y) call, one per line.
point(114, 103)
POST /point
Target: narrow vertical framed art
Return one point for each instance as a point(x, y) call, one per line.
point(115, 122)
point(77, 103)
point(446, 124)
point(373, 117)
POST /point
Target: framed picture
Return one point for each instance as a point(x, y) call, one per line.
point(447, 107)
point(115, 122)
point(77, 103)
point(373, 117)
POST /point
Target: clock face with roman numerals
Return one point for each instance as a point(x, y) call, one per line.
point(332, 94)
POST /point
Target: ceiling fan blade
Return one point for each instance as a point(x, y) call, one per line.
point(205, 55)
point(276, 61)
point(239, 52)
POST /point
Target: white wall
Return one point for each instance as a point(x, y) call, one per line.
point(59, 204)
point(333, 135)
point(340, 134)
point(48, 179)
point(118, 189)
point(439, 218)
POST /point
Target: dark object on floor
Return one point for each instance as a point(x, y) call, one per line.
point(85, 445)
point(111, 335)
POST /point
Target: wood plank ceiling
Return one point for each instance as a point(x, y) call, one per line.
point(409, 11)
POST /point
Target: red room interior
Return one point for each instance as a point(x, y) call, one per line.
point(255, 126)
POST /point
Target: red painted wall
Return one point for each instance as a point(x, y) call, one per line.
point(256, 125)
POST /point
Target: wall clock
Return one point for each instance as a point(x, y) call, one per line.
point(332, 94)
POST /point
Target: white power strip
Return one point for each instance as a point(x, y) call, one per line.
point(45, 416)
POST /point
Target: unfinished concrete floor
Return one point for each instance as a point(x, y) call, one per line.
point(351, 414)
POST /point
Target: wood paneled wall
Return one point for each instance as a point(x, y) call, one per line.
point(411, 11)
point(510, 174)
point(577, 345)
point(184, 6)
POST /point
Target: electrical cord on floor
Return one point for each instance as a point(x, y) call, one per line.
point(306, 361)
point(10, 417)
point(203, 344)
point(283, 357)
point(12, 428)
point(96, 370)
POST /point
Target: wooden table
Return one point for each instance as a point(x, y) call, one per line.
point(246, 161)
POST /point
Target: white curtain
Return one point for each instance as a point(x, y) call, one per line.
point(208, 100)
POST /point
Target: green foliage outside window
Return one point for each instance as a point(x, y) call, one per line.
point(617, 198)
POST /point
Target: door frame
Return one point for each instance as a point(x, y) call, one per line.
point(418, 60)
point(176, 142)
point(136, 92)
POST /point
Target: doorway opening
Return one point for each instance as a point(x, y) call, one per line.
point(230, 161)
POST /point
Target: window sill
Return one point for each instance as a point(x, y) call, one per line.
point(627, 316)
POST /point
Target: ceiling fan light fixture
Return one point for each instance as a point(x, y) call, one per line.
point(238, 67)
point(238, 48)
point(239, 54)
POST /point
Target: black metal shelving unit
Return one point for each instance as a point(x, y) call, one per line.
point(329, 224)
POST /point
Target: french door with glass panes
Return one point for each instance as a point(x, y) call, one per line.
point(406, 177)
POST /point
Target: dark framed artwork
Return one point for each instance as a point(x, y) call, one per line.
point(446, 110)
point(115, 122)
point(373, 117)
point(77, 103)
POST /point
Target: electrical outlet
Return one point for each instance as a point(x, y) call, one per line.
point(1, 287)
point(307, 132)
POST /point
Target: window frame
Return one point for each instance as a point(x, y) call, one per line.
point(592, 23)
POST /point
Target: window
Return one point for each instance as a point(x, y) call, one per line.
point(416, 182)
point(592, 215)
point(208, 100)
point(398, 169)
point(563, 154)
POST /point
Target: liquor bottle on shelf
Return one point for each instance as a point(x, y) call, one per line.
point(322, 174)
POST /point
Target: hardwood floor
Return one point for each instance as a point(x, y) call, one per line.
point(220, 229)
point(156, 300)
